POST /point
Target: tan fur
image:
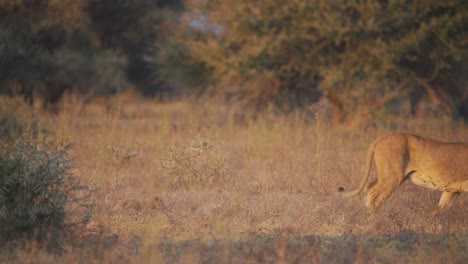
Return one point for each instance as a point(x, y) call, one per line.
point(426, 162)
point(138, 205)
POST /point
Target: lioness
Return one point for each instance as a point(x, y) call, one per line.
point(426, 162)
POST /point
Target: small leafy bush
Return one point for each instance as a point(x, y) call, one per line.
point(121, 155)
point(35, 180)
point(199, 163)
point(33, 184)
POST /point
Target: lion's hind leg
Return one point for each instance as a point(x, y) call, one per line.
point(390, 174)
point(446, 200)
point(378, 194)
point(370, 185)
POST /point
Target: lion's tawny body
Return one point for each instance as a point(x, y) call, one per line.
point(426, 162)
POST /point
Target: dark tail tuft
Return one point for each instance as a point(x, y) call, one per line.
point(341, 189)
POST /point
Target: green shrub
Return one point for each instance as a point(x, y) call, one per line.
point(33, 188)
point(35, 180)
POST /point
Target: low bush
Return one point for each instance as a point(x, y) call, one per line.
point(36, 182)
point(198, 163)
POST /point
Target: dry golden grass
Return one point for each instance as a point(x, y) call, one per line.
point(244, 189)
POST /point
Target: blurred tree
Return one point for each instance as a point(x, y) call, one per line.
point(131, 27)
point(360, 54)
point(172, 65)
point(258, 53)
point(46, 49)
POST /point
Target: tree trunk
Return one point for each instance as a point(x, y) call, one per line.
point(337, 109)
point(52, 93)
point(448, 95)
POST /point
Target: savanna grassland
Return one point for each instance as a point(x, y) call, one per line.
point(235, 189)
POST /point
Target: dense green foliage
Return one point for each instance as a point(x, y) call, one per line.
point(37, 54)
point(131, 28)
point(91, 46)
point(35, 180)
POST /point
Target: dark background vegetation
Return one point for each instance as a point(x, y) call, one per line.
point(362, 56)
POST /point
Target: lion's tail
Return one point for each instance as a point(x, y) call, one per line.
point(367, 168)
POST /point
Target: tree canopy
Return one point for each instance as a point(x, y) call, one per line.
point(357, 53)
point(50, 46)
point(361, 55)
